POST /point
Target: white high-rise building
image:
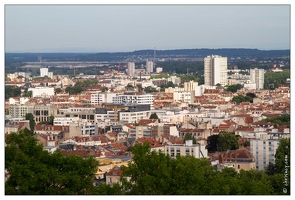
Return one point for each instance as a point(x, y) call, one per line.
point(264, 152)
point(149, 66)
point(215, 70)
point(43, 72)
point(131, 68)
point(257, 76)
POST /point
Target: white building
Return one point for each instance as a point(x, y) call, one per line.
point(99, 98)
point(200, 89)
point(135, 99)
point(132, 117)
point(42, 91)
point(263, 152)
point(50, 75)
point(184, 96)
point(131, 68)
point(215, 70)
point(190, 86)
point(257, 76)
point(195, 150)
point(159, 69)
point(43, 72)
point(149, 66)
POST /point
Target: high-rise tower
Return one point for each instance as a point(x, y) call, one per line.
point(215, 70)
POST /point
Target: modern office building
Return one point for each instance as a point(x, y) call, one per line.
point(215, 70)
point(131, 68)
point(257, 76)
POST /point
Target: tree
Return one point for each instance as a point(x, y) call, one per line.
point(212, 143)
point(227, 141)
point(12, 92)
point(154, 116)
point(150, 89)
point(30, 117)
point(282, 157)
point(240, 98)
point(58, 90)
point(233, 88)
point(149, 172)
point(27, 94)
point(189, 136)
point(246, 143)
point(34, 171)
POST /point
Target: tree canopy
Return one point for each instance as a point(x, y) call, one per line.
point(240, 98)
point(227, 141)
point(34, 171)
point(30, 117)
point(233, 88)
point(154, 173)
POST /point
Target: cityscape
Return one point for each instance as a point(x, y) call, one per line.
point(147, 121)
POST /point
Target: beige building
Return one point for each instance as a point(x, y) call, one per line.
point(238, 159)
point(187, 149)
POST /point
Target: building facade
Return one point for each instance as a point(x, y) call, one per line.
point(215, 70)
point(43, 72)
point(257, 76)
point(263, 152)
point(188, 149)
point(149, 66)
point(131, 68)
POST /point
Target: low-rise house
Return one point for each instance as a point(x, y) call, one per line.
point(238, 159)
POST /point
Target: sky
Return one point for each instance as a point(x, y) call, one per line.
point(121, 28)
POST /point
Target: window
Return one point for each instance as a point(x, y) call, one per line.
point(239, 167)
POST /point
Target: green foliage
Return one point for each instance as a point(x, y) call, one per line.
point(189, 136)
point(169, 84)
point(182, 67)
point(282, 157)
point(212, 143)
point(275, 78)
point(240, 98)
point(227, 141)
point(105, 189)
point(12, 92)
point(150, 89)
point(233, 88)
point(246, 143)
point(74, 89)
point(27, 94)
point(187, 77)
point(154, 173)
point(30, 117)
point(283, 119)
point(34, 171)
point(160, 76)
point(58, 90)
point(154, 116)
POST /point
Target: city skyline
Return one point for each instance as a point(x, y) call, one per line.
point(123, 28)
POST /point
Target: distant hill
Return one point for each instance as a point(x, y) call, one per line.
point(145, 54)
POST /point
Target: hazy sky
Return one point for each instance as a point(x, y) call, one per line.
point(113, 28)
